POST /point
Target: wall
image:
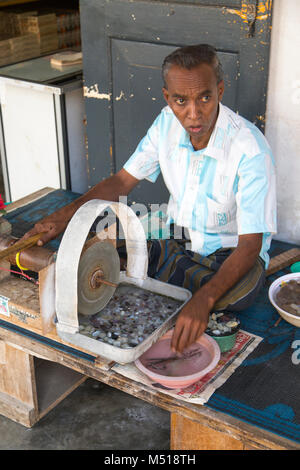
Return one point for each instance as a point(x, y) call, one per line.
point(283, 115)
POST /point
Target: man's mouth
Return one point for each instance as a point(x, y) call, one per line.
point(195, 129)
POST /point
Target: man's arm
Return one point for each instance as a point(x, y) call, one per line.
point(109, 189)
point(193, 318)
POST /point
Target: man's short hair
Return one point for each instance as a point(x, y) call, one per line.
point(189, 57)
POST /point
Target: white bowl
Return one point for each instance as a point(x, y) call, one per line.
point(273, 290)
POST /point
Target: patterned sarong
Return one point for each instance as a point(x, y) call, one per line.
point(170, 262)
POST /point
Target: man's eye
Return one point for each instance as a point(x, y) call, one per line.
point(205, 99)
point(179, 101)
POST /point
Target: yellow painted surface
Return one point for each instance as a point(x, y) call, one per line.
point(263, 10)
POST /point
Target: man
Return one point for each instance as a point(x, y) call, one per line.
point(219, 170)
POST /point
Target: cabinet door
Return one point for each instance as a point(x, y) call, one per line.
point(124, 43)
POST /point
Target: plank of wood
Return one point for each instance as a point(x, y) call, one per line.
point(17, 411)
point(103, 363)
point(47, 298)
point(18, 399)
point(283, 260)
point(23, 302)
point(17, 377)
point(28, 199)
point(189, 435)
point(2, 352)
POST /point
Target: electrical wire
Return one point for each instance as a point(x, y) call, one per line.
point(21, 274)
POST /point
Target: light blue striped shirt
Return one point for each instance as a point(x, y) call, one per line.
point(218, 193)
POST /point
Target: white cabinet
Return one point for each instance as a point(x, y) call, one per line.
point(42, 128)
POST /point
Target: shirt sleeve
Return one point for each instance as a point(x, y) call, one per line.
point(256, 194)
point(144, 162)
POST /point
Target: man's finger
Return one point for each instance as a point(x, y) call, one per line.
point(28, 234)
point(176, 336)
point(45, 238)
point(183, 340)
point(38, 228)
point(195, 333)
point(192, 338)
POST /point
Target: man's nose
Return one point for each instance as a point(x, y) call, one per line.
point(194, 111)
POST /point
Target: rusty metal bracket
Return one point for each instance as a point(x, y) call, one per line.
point(260, 121)
point(248, 13)
point(251, 14)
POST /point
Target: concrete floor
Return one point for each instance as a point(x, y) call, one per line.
point(93, 417)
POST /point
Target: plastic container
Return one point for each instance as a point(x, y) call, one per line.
point(225, 340)
point(273, 290)
point(295, 268)
point(209, 347)
point(225, 343)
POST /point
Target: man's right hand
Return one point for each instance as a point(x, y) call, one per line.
point(51, 227)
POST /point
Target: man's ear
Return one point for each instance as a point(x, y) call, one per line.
point(221, 88)
point(166, 94)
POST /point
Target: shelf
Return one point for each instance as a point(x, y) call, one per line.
point(53, 383)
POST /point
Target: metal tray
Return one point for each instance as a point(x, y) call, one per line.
point(124, 356)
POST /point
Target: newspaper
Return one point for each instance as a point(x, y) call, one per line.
point(200, 392)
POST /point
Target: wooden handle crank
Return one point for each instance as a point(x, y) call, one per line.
point(20, 245)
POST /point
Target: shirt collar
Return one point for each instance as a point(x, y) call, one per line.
point(216, 144)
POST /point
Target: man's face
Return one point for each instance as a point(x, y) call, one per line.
point(194, 96)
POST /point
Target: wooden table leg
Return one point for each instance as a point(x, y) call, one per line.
point(18, 398)
point(189, 435)
point(31, 386)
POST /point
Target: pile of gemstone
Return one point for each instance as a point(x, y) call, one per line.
point(129, 318)
point(222, 324)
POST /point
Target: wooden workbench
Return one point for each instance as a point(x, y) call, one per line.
point(36, 373)
point(192, 426)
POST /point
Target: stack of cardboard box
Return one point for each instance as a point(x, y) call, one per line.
point(44, 26)
point(28, 34)
point(14, 48)
point(68, 28)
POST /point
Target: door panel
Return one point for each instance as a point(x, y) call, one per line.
point(124, 43)
point(137, 98)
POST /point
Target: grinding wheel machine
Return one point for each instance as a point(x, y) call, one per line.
point(79, 280)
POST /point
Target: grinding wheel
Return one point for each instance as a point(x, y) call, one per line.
point(100, 262)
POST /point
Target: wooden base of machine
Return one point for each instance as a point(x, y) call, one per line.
point(187, 434)
point(30, 387)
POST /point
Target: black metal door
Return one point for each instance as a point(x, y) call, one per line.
point(124, 43)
